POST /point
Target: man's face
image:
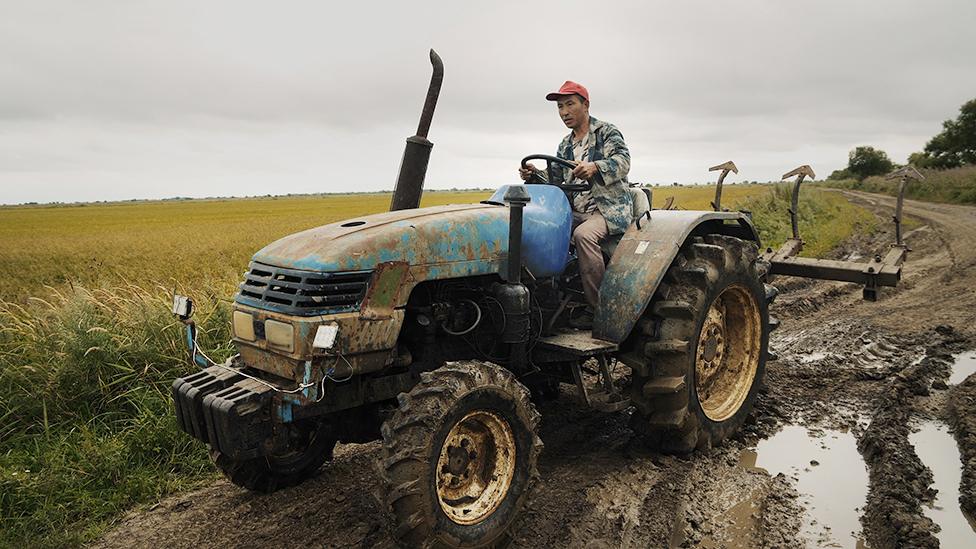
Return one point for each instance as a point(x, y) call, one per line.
point(573, 110)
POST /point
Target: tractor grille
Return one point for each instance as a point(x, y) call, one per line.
point(303, 293)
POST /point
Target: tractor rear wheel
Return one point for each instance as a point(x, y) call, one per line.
point(703, 345)
point(459, 456)
point(311, 444)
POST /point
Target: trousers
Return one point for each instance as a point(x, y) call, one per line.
point(589, 229)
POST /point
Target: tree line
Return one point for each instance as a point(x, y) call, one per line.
point(953, 147)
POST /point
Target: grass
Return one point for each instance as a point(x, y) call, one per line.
point(86, 424)
point(955, 186)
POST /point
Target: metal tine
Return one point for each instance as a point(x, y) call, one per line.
point(905, 174)
point(801, 172)
point(726, 168)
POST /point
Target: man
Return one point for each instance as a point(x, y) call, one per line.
point(601, 157)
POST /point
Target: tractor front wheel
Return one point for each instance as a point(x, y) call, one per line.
point(459, 456)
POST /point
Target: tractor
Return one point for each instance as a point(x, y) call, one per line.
point(437, 331)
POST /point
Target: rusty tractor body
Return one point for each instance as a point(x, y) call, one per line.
point(435, 330)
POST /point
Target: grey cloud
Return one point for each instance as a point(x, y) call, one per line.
point(108, 100)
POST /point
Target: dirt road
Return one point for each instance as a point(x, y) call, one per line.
point(847, 369)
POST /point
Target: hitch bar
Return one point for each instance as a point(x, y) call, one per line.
point(881, 271)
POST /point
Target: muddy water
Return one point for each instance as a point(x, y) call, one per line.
point(964, 366)
point(937, 449)
point(830, 476)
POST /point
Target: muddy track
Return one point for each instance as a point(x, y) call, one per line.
point(873, 369)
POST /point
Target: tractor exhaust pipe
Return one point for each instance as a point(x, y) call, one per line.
point(416, 155)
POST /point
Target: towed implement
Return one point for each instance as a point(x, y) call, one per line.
point(437, 330)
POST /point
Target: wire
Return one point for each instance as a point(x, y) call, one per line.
point(477, 320)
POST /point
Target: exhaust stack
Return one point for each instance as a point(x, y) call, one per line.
point(416, 155)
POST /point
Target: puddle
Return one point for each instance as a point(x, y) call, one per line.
point(963, 367)
point(830, 476)
point(937, 449)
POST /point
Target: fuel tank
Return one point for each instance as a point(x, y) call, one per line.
point(437, 242)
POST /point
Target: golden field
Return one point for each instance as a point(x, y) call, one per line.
point(196, 243)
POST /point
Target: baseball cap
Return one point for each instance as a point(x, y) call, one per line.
point(569, 88)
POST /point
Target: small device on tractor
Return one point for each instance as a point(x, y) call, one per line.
point(437, 330)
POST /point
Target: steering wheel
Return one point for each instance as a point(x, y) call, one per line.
point(550, 160)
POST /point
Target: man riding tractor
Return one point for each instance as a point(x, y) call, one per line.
point(601, 157)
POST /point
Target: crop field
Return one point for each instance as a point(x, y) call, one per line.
point(88, 349)
point(207, 243)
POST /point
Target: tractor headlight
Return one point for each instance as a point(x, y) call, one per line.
point(325, 336)
point(244, 326)
point(280, 334)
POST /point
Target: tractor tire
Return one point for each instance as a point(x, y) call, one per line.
point(702, 345)
point(313, 446)
point(459, 456)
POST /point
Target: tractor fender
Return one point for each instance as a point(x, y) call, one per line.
point(643, 256)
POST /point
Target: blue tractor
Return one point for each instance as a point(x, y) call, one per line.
point(437, 330)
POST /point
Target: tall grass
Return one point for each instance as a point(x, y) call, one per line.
point(86, 424)
point(956, 186)
point(825, 219)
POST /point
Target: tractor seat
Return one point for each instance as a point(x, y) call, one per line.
point(641, 198)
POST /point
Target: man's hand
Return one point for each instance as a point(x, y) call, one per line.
point(526, 172)
point(585, 170)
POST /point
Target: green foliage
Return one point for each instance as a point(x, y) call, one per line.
point(957, 186)
point(866, 161)
point(955, 146)
point(825, 218)
point(88, 429)
point(840, 174)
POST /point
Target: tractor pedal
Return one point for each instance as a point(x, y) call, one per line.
point(663, 386)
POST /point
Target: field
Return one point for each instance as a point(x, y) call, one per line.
point(88, 350)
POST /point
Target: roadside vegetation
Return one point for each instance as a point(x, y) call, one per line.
point(88, 349)
point(955, 186)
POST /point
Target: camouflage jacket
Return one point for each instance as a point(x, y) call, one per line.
point(612, 159)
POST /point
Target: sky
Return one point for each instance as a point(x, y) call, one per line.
point(120, 100)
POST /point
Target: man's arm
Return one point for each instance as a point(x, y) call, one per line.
point(616, 158)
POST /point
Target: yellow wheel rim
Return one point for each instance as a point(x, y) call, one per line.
point(728, 352)
point(475, 467)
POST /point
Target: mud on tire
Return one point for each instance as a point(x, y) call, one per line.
point(701, 348)
point(313, 445)
point(448, 465)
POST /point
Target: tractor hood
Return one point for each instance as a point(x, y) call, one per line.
point(448, 241)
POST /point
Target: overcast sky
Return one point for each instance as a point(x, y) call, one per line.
point(127, 99)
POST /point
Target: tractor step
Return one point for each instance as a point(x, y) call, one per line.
point(579, 343)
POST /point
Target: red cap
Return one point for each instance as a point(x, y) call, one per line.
point(569, 88)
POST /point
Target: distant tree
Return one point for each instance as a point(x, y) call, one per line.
point(865, 161)
point(956, 145)
point(839, 174)
point(922, 160)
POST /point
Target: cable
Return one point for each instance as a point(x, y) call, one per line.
point(477, 320)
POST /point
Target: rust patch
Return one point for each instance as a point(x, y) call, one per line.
point(381, 297)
